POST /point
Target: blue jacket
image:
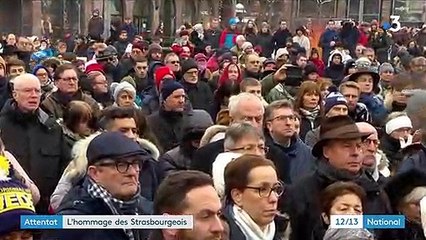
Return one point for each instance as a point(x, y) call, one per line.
point(302, 162)
point(376, 107)
point(79, 202)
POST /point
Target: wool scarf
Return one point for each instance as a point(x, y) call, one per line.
point(311, 115)
point(249, 228)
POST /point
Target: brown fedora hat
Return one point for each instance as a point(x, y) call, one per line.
point(339, 127)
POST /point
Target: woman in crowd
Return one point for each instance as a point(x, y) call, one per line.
point(406, 193)
point(250, 32)
point(396, 137)
point(43, 75)
point(309, 105)
point(78, 122)
point(124, 94)
point(342, 198)
point(252, 190)
point(317, 61)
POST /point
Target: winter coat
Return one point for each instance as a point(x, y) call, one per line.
point(312, 137)
point(5, 91)
point(198, 43)
point(325, 39)
point(56, 104)
point(381, 45)
point(264, 40)
point(167, 128)
point(37, 141)
point(205, 156)
point(292, 162)
point(121, 46)
point(392, 148)
point(349, 38)
point(336, 73)
point(79, 202)
point(319, 64)
point(282, 227)
point(279, 38)
point(212, 37)
point(199, 94)
point(302, 201)
point(227, 38)
point(76, 171)
point(416, 160)
point(251, 37)
point(96, 27)
point(279, 92)
point(130, 29)
point(421, 39)
point(360, 113)
point(212, 134)
point(304, 42)
point(306, 125)
point(375, 106)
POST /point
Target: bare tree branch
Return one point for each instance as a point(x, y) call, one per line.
point(323, 1)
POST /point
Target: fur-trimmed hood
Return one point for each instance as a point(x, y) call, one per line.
point(211, 133)
point(78, 165)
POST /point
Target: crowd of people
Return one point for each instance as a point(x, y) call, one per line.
point(257, 134)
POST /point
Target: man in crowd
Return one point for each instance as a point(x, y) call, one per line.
point(328, 40)
point(66, 79)
point(356, 110)
point(293, 157)
point(244, 107)
point(111, 187)
point(198, 92)
point(15, 67)
point(339, 159)
point(197, 197)
point(34, 138)
point(166, 123)
point(212, 34)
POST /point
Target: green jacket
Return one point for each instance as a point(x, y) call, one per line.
point(279, 92)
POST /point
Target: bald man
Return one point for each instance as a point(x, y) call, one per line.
point(35, 139)
point(374, 161)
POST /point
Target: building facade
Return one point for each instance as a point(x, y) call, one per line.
point(71, 16)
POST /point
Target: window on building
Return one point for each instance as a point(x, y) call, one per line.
point(316, 8)
point(410, 11)
point(371, 9)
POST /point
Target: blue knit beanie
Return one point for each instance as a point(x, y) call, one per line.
point(334, 99)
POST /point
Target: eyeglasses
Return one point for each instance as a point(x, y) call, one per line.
point(265, 192)
point(252, 147)
point(371, 141)
point(174, 62)
point(122, 166)
point(283, 118)
point(75, 79)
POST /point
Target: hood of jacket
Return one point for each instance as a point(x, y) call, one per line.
point(211, 133)
point(76, 169)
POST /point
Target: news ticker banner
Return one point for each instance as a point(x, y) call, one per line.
point(368, 221)
point(106, 221)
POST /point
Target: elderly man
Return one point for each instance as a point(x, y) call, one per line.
point(34, 138)
point(240, 138)
point(244, 107)
point(66, 79)
point(374, 160)
point(111, 187)
point(196, 197)
point(339, 159)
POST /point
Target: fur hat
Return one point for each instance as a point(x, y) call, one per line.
point(402, 184)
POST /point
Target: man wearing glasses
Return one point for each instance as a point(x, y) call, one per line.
point(67, 82)
point(111, 187)
point(34, 138)
point(292, 157)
